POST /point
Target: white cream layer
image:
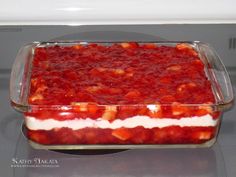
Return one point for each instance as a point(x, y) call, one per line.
point(203, 121)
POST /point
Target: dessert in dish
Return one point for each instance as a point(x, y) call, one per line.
point(120, 93)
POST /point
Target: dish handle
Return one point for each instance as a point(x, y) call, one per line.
point(219, 77)
point(20, 75)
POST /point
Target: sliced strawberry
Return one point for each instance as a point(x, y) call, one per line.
point(35, 97)
point(109, 113)
point(187, 48)
point(201, 112)
point(133, 94)
point(174, 68)
point(92, 108)
point(191, 85)
point(181, 87)
point(183, 46)
point(41, 89)
point(122, 134)
point(185, 87)
point(118, 71)
point(202, 135)
point(155, 111)
point(93, 89)
point(142, 110)
point(205, 109)
point(179, 109)
point(77, 46)
point(35, 82)
point(80, 107)
point(149, 46)
point(129, 45)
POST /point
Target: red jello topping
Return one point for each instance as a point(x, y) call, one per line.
point(125, 73)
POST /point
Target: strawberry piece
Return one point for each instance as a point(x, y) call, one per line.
point(129, 45)
point(118, 71)
point(185, 87)
point(92, 108)
point(35, 97)
point(205, 109)
point(80, 107)
point(109, 113)
point(179, 109)
point(133, 94)
point(122, 134)
point(155, 111)
point(183, 46)
point(142, 110)
point(202, 135)
point(149, 46)
point(36, 82)
point(187, 48)
point(41, 89)
point(174, 68)
point(93, 89)
point(182, 87)
point(77, 46)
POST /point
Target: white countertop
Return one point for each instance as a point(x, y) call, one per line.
point(79, 12)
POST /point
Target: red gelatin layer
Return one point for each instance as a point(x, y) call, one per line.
point(138, 135)
point(105, 82)
point(125, 73)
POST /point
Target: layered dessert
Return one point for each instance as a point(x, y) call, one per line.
point(120, 93)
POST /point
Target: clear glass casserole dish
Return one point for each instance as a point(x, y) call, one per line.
point(112, 95)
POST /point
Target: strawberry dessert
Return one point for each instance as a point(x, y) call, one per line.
point(120, 93)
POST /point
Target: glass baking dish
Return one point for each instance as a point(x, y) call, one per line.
point(66, 126)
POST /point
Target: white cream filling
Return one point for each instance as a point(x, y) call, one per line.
point(36, 124)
